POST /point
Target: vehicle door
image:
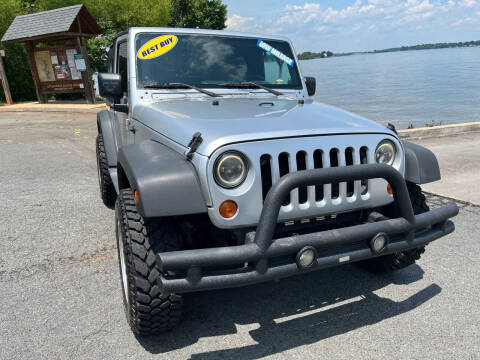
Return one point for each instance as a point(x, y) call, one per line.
point(121, 67)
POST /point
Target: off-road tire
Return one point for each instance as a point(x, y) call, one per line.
point(400, 260)
point(148, 310)
point(107, 189)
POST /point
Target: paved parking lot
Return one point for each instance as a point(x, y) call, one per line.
point(60, 295)
point(459, 159)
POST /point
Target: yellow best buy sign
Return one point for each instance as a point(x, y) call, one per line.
point(156, 47)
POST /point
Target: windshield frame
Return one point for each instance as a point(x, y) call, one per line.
point(224, 34)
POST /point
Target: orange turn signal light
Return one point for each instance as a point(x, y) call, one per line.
point(137, 196)
point(228, 209)
point(389, 189)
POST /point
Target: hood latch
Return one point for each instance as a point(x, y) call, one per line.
point(193, 145)
point(392, 127)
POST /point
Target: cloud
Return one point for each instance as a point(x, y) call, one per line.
point(467, 20)
point(237, 22)
point(367, 24)
point(469, 3)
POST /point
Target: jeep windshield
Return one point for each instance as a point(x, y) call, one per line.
point(212, 61)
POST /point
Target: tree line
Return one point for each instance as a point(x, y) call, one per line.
point(308, 55)
point(417, 47)
point(112, 16)
point(430, 46)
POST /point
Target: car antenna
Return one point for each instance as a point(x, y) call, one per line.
point(193, 145)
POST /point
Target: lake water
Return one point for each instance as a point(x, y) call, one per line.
point(411, 87)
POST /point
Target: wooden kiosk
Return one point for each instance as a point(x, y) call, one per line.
point(55, 43)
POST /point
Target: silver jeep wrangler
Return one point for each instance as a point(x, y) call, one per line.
point(224, 172)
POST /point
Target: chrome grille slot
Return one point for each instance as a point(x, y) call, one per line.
point(318, 164)
point(349, 161)
point(302, 165)
point(273, 166)
point(284, 167)
point(266, 173)
point(364, 160)
point(334, 163)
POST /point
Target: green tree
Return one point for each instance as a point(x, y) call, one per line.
point(114, 16)
point(8, 10)
point(117, 15)
point(97, 51)
point(206, 14)
point(16, 63)
point(308, 55)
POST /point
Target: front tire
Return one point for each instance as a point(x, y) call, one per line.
point(400, 260)
point(148, 310)
point(107, 189)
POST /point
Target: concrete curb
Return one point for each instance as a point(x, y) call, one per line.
point(35, 107)
point(437, 131)
point(70, 111)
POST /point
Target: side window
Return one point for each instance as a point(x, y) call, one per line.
point(110, 60)
point(122, 67)
point(276, 71)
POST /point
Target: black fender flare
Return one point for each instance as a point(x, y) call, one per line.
point(108, 126)
point(421, 165)
point(167, 183)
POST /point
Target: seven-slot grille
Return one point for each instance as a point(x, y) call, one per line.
point(273, 167)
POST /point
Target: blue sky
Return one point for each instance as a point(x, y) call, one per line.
point(356, 25)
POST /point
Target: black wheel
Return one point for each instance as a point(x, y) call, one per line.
point(148, 310)
point(107, 190)
point(400, 260)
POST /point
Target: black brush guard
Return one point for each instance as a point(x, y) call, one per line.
point(405, 232)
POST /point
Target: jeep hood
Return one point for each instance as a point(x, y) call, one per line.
point(247, 119)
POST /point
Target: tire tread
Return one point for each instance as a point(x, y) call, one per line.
point(107, 189)
point(150, 311)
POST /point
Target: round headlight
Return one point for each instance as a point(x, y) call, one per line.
point(385, 153)
point(230, 169)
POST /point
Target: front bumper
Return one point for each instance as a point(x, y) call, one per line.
point(405, 232)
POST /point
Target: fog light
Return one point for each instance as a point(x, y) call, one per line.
point(306, 257)
point(379, 242)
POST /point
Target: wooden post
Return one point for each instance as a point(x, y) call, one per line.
point(86, 75)
point(42, 99)
point(3, 77)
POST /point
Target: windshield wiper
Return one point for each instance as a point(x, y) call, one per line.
point(250, 84)
point(180, 86)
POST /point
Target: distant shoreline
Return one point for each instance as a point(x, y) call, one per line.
point(307, 55)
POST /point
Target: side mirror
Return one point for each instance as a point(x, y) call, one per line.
point(311, 84)
point(110, 85)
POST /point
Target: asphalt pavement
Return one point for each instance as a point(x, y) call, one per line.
point(459, 159)
point(60, 295)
